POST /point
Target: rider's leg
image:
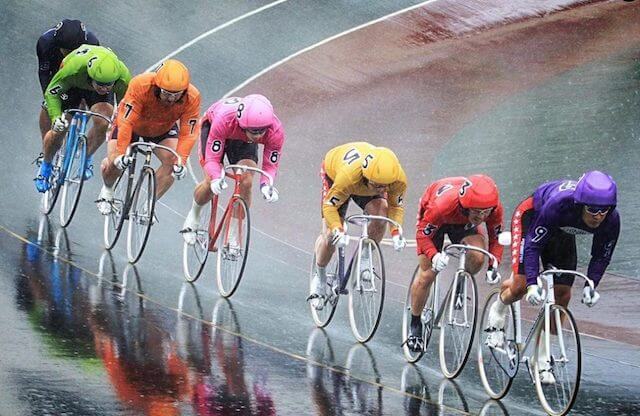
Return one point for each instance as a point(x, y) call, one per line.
point(421, 285)
point(44, 121)
point(377, 206)
point(164, 174)
point(475, 260)
point(98, 131)
point(52, 142)
point(246, 182)
point(109, 171)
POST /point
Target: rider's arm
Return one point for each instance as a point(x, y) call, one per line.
point(129, 112)
point(189, 125)
point(214, 151)
point(271, 154)
point(335, 198)
point(429, 221)
point(602, 247)
point(542, 226)
point(60, 83)
point(494, 227)
point(396, 203)
point(44, 61)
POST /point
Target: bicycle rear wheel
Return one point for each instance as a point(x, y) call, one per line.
point(497, 365)
point(194, 256)
point(458, 324)
point(73, 181)
point(323, 316)
point(233, 247)
point(114, 221)
point(366, 294)
point(141, 214)
point(49, 198)
point(427, 318)
point(564, 362)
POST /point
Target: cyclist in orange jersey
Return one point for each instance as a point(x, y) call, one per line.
point(161, 107)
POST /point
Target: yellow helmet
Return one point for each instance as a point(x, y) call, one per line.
point(172, 76)
point(381, 166)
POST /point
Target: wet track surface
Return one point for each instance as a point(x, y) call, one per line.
point(84, 333)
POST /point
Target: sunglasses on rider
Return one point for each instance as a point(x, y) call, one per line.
point(481, 212)
point(257, 131)
point(104, 84)
point(171, 94)
point(595, 210)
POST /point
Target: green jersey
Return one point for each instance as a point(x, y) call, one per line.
point(73, 74)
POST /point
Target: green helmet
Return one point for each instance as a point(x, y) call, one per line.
point(103, 67)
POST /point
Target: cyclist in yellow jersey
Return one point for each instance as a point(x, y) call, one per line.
point(373, 178)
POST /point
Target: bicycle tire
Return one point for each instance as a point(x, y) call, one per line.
point(67, 212)
point(226, 286)
point(487, 356)
point(323, 317)
point(428, 310)
point(360, 289)
point(194, 256)
point(453, 369)
point(557, 365)
point(139, 216)
point(50, 197)
point(113, 222)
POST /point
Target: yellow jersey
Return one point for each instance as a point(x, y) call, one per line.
point(343, 165)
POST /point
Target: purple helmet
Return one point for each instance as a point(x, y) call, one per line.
point(596, 188)
point(255, 112)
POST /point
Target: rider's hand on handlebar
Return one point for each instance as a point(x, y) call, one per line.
point(589, 298)
point(60, 124)
point(439, 262)
point(217, 185)
point(339, 238)
point(399, 242)
point(493, 275)
point(270, 193)
point(179, 172)
point(122, 162)
point(534, 295)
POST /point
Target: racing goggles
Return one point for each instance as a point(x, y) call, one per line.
point(171, 94)
point(258, 131)
point(104, 84)
point(595, 209)
point(481, 212)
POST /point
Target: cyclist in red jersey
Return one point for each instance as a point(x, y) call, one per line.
point(455, 206)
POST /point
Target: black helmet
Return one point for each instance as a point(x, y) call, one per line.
point(70, 34)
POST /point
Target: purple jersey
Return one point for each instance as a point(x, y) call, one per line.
point(554, 211)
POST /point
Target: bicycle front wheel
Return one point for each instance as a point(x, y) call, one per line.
point(233, 247)
point(498, 364)
point(194, 256)
point(558, 392)
point(458, 324)
point(73, 181)
point(50, 197)
point(114, 221)
point(427, 317)
point(141, 214)
point(366, 292)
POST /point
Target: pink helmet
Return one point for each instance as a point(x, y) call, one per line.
point(255, 111)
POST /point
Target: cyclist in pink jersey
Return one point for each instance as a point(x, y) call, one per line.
point(235, 127)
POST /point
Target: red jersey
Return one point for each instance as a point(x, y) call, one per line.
point(439, 206)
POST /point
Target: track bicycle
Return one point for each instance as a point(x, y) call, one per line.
point(499, 365)
point(69, 164)
point(235, 222)
point(455, 317)
point(134, 200)
point(366, 291)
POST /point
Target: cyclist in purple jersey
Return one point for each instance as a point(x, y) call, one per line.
point(543, 229)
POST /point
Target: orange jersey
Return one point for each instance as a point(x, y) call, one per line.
point(141, 112)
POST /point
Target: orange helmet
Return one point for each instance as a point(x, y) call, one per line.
point(172, 76)
point(478, 191)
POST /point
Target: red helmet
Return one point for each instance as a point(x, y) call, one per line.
point(478, 191)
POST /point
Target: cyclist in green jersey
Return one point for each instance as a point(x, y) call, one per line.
point(90, 73)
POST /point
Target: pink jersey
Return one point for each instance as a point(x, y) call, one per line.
point(224, 126)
